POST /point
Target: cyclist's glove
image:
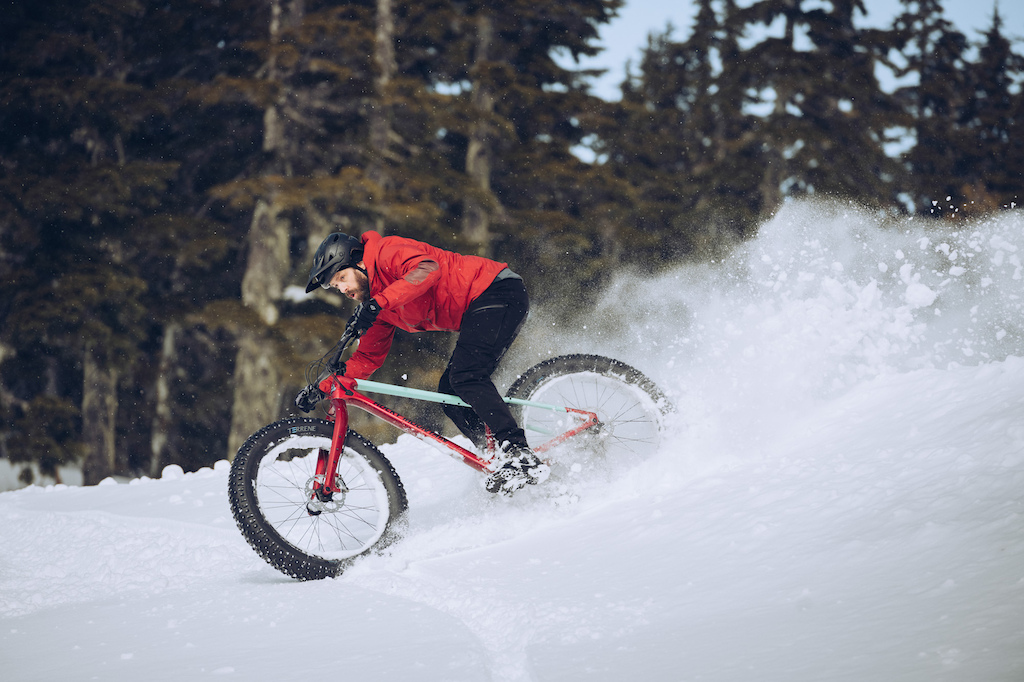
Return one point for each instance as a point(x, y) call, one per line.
point(364, 317)
point(308, 398)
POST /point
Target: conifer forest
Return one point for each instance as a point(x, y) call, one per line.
point(167, 169)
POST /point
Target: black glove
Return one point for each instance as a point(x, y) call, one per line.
point(364, 317)
point(308, 398)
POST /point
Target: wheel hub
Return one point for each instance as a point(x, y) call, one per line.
point(318, 501)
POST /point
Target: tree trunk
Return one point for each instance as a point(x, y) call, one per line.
point(257, 378)
point(162, 411)
point(380, 115)
point(476, 218)
point(257, 389)
point(267, 264)
point(99, 417)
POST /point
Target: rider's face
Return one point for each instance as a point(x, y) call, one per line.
point(352, 283)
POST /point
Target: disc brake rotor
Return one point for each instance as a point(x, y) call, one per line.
point(317, 503)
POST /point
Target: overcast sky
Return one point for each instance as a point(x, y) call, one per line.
point(623, 38)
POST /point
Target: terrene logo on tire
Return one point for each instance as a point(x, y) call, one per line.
point(297, 429)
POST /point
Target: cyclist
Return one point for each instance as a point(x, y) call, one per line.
point(406, 284)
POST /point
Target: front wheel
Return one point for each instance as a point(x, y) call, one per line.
point(270, 489)
point(630, 407)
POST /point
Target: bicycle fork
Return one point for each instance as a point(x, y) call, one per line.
point(326, 482)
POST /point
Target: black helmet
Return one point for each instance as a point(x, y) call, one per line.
point(335, 253)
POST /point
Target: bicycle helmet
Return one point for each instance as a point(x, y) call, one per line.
point(337, 252)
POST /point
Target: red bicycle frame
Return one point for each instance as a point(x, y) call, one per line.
point(342, 392)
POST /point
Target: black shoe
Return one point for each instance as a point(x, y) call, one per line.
point(520, 468)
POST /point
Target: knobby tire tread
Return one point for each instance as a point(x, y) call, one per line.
point(266, 541)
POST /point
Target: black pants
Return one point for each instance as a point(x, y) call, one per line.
point(489, 326)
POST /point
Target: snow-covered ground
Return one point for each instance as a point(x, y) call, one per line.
point(840, 498)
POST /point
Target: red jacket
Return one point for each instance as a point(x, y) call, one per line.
point(437, 303)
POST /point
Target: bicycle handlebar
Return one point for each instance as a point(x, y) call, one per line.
point(307, 398)
point(343, 344)
point(330, 363)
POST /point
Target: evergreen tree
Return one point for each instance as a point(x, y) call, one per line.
point(185, 251)
point(521, 116)
point(683, 141)
point(936, 53)
point(106, 162)
point(735, 192)
point(994, 122)
point(500, 91)
point(658, 143)
point(812, 81)
point(72, 191)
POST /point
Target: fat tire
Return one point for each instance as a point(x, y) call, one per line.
point(530, 382)
point(261, 534)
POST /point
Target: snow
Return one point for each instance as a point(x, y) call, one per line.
point(839, 499)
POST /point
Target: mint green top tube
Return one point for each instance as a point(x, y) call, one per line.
point(431, 396)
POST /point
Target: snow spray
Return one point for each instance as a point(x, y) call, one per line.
point(827, 296)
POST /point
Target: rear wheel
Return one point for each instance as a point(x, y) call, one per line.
point(272, 498)
point(630, 407)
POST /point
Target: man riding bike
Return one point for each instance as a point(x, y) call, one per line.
point(403, 283)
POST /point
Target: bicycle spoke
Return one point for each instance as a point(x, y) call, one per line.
point(343, 527)
point(629, 425)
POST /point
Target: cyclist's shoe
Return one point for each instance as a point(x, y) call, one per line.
point(520, 468)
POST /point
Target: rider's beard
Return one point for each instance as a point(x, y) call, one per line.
point(364, 289)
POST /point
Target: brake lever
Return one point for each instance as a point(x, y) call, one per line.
point(308, 398)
